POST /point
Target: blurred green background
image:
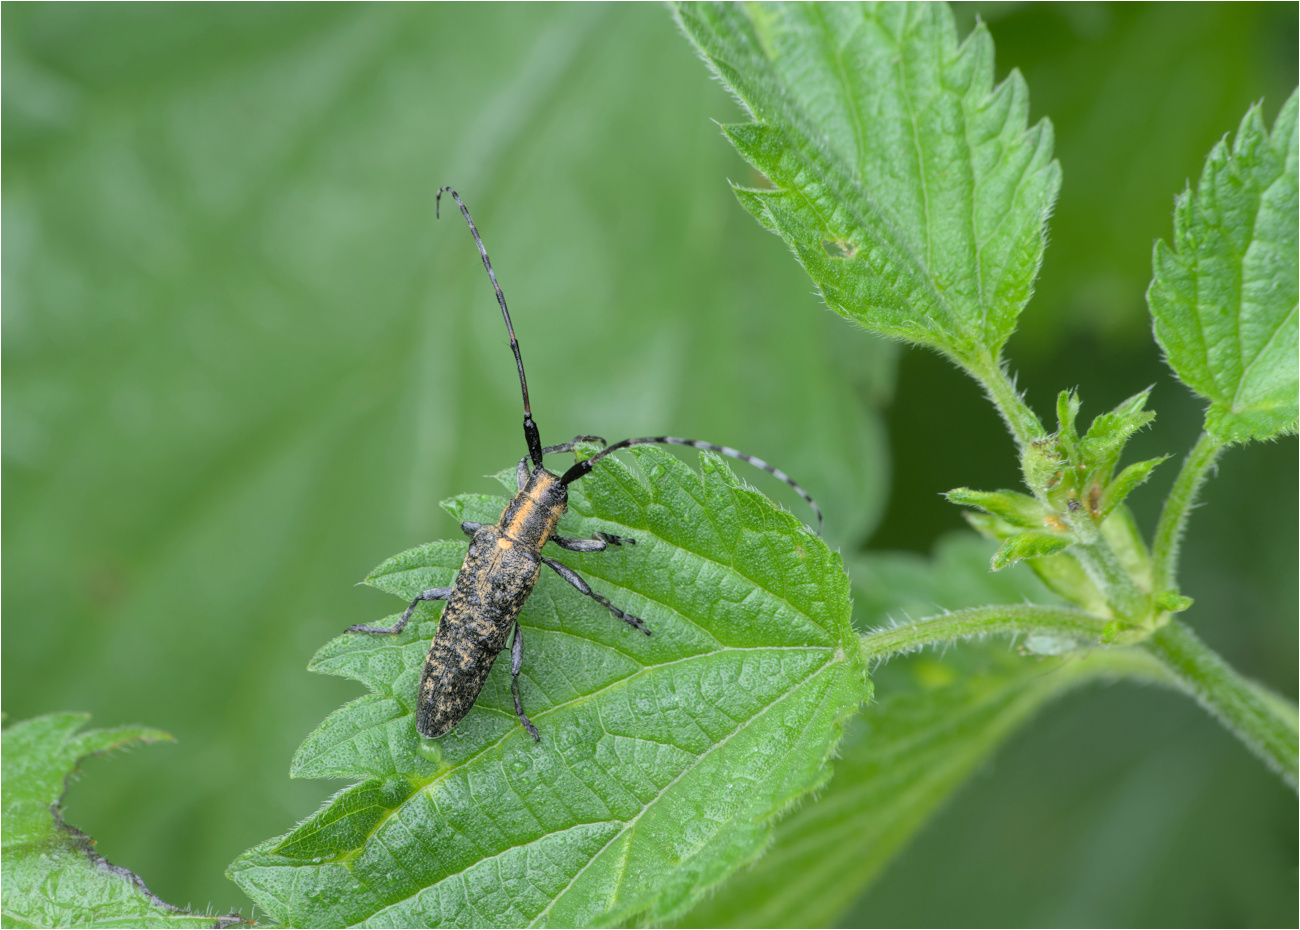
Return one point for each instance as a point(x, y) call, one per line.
point(242, 365)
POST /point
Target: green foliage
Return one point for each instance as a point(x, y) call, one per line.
point(1224, 296)
point(908, 185)
point(1072, 477)
point(663, 761)
point(243, 362)
point(52, 877)
point(935, 722)
point(226, 387)
point(833, 156)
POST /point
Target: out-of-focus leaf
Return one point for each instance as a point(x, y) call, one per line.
point(52, 877)
point(663, 761)
point(908, 185)
point(1224, 296)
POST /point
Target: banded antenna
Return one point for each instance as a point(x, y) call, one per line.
point(531, 435)
point(584, 467)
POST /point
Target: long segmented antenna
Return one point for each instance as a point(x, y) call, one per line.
point(530, 428)
point(584, 467)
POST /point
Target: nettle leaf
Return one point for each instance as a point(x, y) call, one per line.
point(1223, 298)
point(938, 719)
point(906, 183)
point(52, 875)
point(664, 760)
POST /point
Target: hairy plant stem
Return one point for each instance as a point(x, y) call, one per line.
point(1264, 721)
point(1178, 507)
point(1107, 572)
point(978, 621)
point(992, 376)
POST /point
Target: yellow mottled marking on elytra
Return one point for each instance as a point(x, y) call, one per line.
point(504, 543)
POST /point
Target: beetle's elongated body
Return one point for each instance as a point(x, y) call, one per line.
point(494, 582)
point(504, 561)
point(499, 573)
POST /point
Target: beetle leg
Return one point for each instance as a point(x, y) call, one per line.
point(469, 529)
point(575, 579)
point(516, 663)
point(433, 594)
point(597, 543)
point(521, 470)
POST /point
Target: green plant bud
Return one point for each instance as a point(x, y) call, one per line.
point(1067, 412)
point(1123, 485)
point(1028, 546)
point(1100, 449)
point(1043, 465)
point(1172, 602)
point(1015, 508)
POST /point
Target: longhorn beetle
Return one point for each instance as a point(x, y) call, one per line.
point(504, 560)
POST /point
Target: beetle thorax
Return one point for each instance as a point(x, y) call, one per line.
point(531, 517)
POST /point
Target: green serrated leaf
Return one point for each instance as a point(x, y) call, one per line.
point(906, 183)
point(663, 761)
point(52, 877)
point(1223, 298)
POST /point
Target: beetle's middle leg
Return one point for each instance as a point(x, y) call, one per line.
point(575, 579)
point(433, 594)
point(597, 543)
point(516, 663)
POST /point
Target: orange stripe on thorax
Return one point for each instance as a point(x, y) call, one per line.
point(528, 507)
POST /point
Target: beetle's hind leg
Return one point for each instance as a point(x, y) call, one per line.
point(575, 579)
point(598, 542)
point(433, 594)
point(516, 663)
